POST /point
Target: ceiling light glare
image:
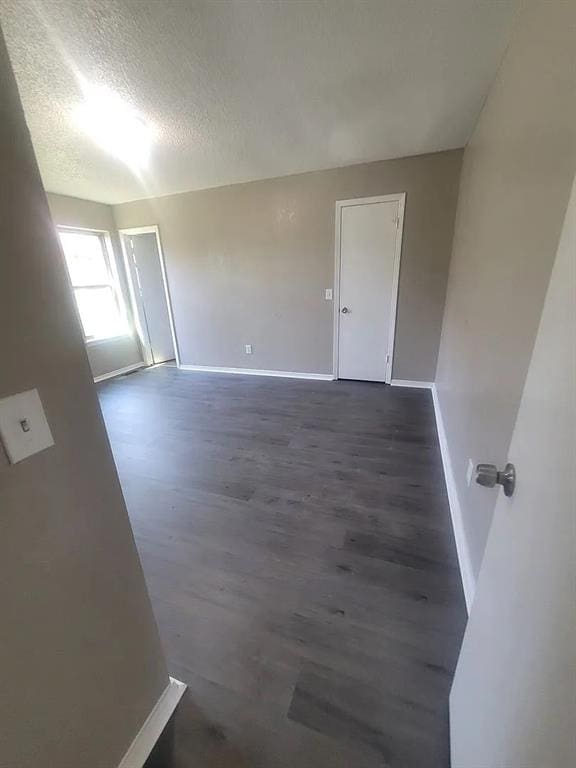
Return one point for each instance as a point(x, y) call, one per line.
point(114, 126)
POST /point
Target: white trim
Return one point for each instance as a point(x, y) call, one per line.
point(336, 295)
point(168, 297)
point(82, 230)
point(136, 308)
point(412, 384)
point(108, 339)
point(256, 372)
point(464, 561)
point(148, 230)
point(140, 749)
point(119, 372)
point(401, 199)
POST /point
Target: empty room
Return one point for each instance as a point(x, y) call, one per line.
point(288, 391)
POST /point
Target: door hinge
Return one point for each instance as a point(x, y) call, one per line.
point(387, 358)
point(397, 221)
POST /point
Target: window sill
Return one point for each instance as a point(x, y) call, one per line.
point(108, 339)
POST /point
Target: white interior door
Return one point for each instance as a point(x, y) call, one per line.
point(369, 244)
point(513, 701)
point(142, 250)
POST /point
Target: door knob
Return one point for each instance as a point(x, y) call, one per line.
point(344, 310)
point(489, 476)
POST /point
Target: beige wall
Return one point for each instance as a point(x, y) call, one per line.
point(249, 263)
point(80, 659)
point(84, 214)
point(513, 194)
point(109, 354)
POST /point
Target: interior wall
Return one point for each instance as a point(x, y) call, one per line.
point(249, 263)
point(514, 189)
point(105, 355)
point(80, 658)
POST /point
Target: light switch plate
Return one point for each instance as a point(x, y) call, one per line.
point(24, 430)
point(328, 294)
point(248, 348)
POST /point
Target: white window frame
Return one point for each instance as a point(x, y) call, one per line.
point(112, 268)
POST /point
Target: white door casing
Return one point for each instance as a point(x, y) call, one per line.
point(368, 243)
point(513, 700)
point(149, 293)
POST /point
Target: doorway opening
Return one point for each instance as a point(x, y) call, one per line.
point(150, 294)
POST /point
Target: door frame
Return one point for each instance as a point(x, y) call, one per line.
point(136, 302)
point(400, 198)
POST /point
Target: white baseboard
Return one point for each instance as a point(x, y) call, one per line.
point(466, 572)
point(148, 735)
point(256, 372)
point(119, 372)
point(408, 383)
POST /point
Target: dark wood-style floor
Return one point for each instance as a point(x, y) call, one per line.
point(296, 541)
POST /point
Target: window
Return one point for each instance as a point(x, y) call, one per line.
point(96, 290)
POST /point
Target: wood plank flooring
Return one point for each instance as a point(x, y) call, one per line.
point(296, 542)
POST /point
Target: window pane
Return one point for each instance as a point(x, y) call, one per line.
point(85, 258)
point(99, 312)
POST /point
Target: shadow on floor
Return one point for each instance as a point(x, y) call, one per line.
point(191, 739)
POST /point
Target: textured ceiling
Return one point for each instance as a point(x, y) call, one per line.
point(244, 89)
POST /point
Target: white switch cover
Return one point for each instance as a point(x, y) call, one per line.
point(328, 294)
point(469, 471)
point(23, 426)
point(248, 349)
